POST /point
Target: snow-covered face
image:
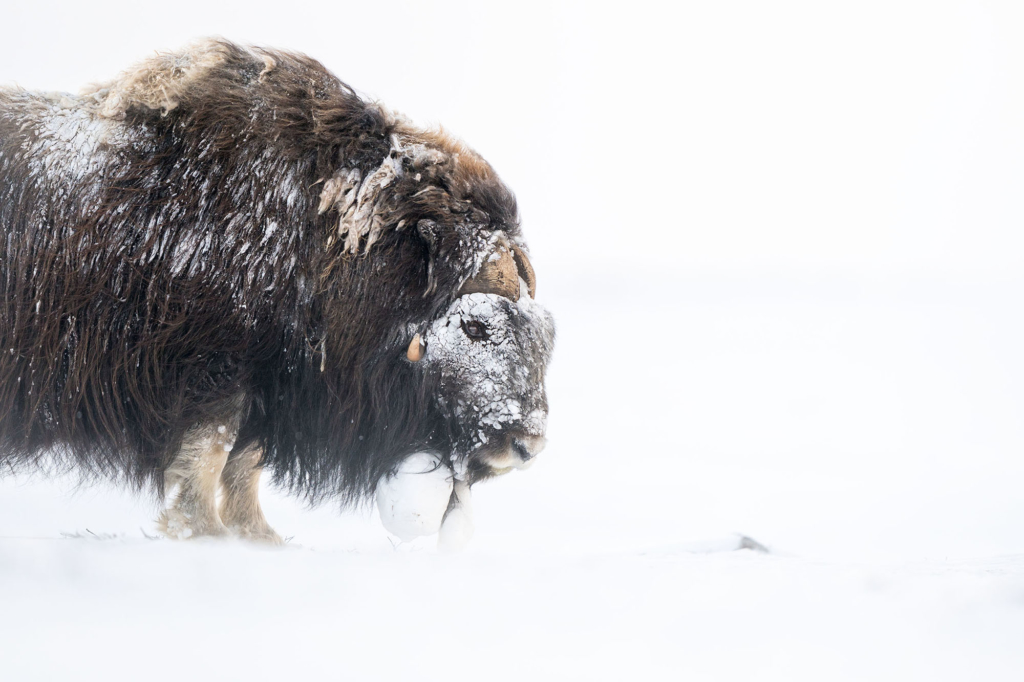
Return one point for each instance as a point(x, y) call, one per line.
point(488, 355)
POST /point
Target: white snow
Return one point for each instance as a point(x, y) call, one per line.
point(457, 529)
point(867, 434)
point(782, 245)
point(412, 502)
point(70, 135)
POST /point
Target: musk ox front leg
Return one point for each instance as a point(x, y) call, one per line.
point(240, 507)
point(191, 483)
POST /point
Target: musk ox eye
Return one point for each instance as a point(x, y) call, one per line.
point(474, 329)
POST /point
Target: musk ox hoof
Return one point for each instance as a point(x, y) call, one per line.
point(265, 535)
point(179, 526)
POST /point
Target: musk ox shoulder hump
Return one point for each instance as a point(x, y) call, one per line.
point(371, 163)
point(161, 82)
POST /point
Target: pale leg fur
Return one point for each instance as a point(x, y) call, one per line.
point(240, 506)
point(192, 482)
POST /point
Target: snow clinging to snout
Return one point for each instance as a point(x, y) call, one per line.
point(490, 354)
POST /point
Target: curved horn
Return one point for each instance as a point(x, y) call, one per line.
point(497, 276)
point(525, 269)
point(415, 352)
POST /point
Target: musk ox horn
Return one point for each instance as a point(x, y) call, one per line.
point(501, 272)
point(525, 269)
point(415, 352)
point(498, 275)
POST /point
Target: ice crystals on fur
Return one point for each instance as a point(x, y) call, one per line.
point(487, 378)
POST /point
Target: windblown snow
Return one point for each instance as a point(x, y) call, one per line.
point(880, 470)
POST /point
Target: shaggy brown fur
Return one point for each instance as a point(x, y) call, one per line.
point(229, 235)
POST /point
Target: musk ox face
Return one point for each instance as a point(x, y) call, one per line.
point(488, 355)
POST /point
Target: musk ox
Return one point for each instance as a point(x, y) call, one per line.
point(225, 260)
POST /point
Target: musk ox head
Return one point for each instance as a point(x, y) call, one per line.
point(486, 357)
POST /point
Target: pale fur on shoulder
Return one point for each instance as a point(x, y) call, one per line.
point(160, 82)
point(359, 200)
point(359, 196)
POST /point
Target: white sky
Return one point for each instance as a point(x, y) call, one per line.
point(856, 138)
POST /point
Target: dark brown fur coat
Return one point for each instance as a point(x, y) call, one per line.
point(231, 232)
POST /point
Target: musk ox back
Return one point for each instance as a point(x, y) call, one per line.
point(226, 260)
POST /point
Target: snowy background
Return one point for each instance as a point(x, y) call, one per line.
point(783, 244)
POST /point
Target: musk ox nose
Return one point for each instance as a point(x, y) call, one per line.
point(528, 447)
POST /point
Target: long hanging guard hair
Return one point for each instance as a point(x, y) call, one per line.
point(228, 233)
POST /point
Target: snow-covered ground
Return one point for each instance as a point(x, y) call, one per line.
point(782, 242)
point(867, 432)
